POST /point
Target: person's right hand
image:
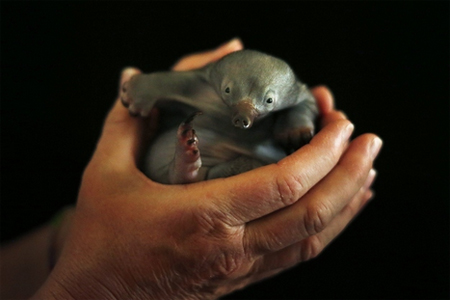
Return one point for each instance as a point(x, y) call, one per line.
point(135, 238)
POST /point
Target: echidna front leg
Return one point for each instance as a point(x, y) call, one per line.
point(186, 162)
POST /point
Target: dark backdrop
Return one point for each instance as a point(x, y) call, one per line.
point(387, 64)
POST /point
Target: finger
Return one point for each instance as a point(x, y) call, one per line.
point(331, 117)
point(312, 246)
point(119, 144)
point(320, 205)
point(325, 102)
point(259, 192)
point(370, 180)
point(198, 60)
point(324, 98)
point(126, 75)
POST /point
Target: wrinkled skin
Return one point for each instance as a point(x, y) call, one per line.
point(255, 111)
point(133, 238)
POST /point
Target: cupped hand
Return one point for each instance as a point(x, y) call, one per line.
point(135, 238)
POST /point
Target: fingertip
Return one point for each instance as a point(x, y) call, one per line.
point(375, 146)
point(227, 48)
point(365, 198)
point(344, 126)
point(370, 179)
point(333, 116)
point(369, 195)
point(341, 115)
point(324, 98)
point(127, 73)
point(335, 125)
point(200, 59)
point(234, 44)
point(367, 143)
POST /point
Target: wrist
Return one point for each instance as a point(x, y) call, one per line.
point(73, 279)
point(75, 285)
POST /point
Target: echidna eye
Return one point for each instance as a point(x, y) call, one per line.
point(270, 100)
point(227, 90)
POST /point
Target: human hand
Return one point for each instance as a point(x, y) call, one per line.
point(134, 238)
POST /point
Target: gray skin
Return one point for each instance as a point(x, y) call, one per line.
point(254, 112)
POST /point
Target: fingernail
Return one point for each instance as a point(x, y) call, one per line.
point(370, 179)
point(129, 70)
point(375, 147)
point(234, 43)
point(127, 73)
point(348, 131)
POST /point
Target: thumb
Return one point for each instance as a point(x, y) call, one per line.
point(198, 60)
point(123, 135)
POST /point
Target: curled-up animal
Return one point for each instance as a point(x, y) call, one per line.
point(254, 111)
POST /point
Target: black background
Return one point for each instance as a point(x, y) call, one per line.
point(387, 64)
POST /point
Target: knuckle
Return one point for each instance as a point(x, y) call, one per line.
point(224, 254)
point(226, 263)
point(213, 221)
point(289, 188)
point(269, 242)
point(206, 222)
point(316, 218)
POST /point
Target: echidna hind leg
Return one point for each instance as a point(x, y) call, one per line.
point(186, 162)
